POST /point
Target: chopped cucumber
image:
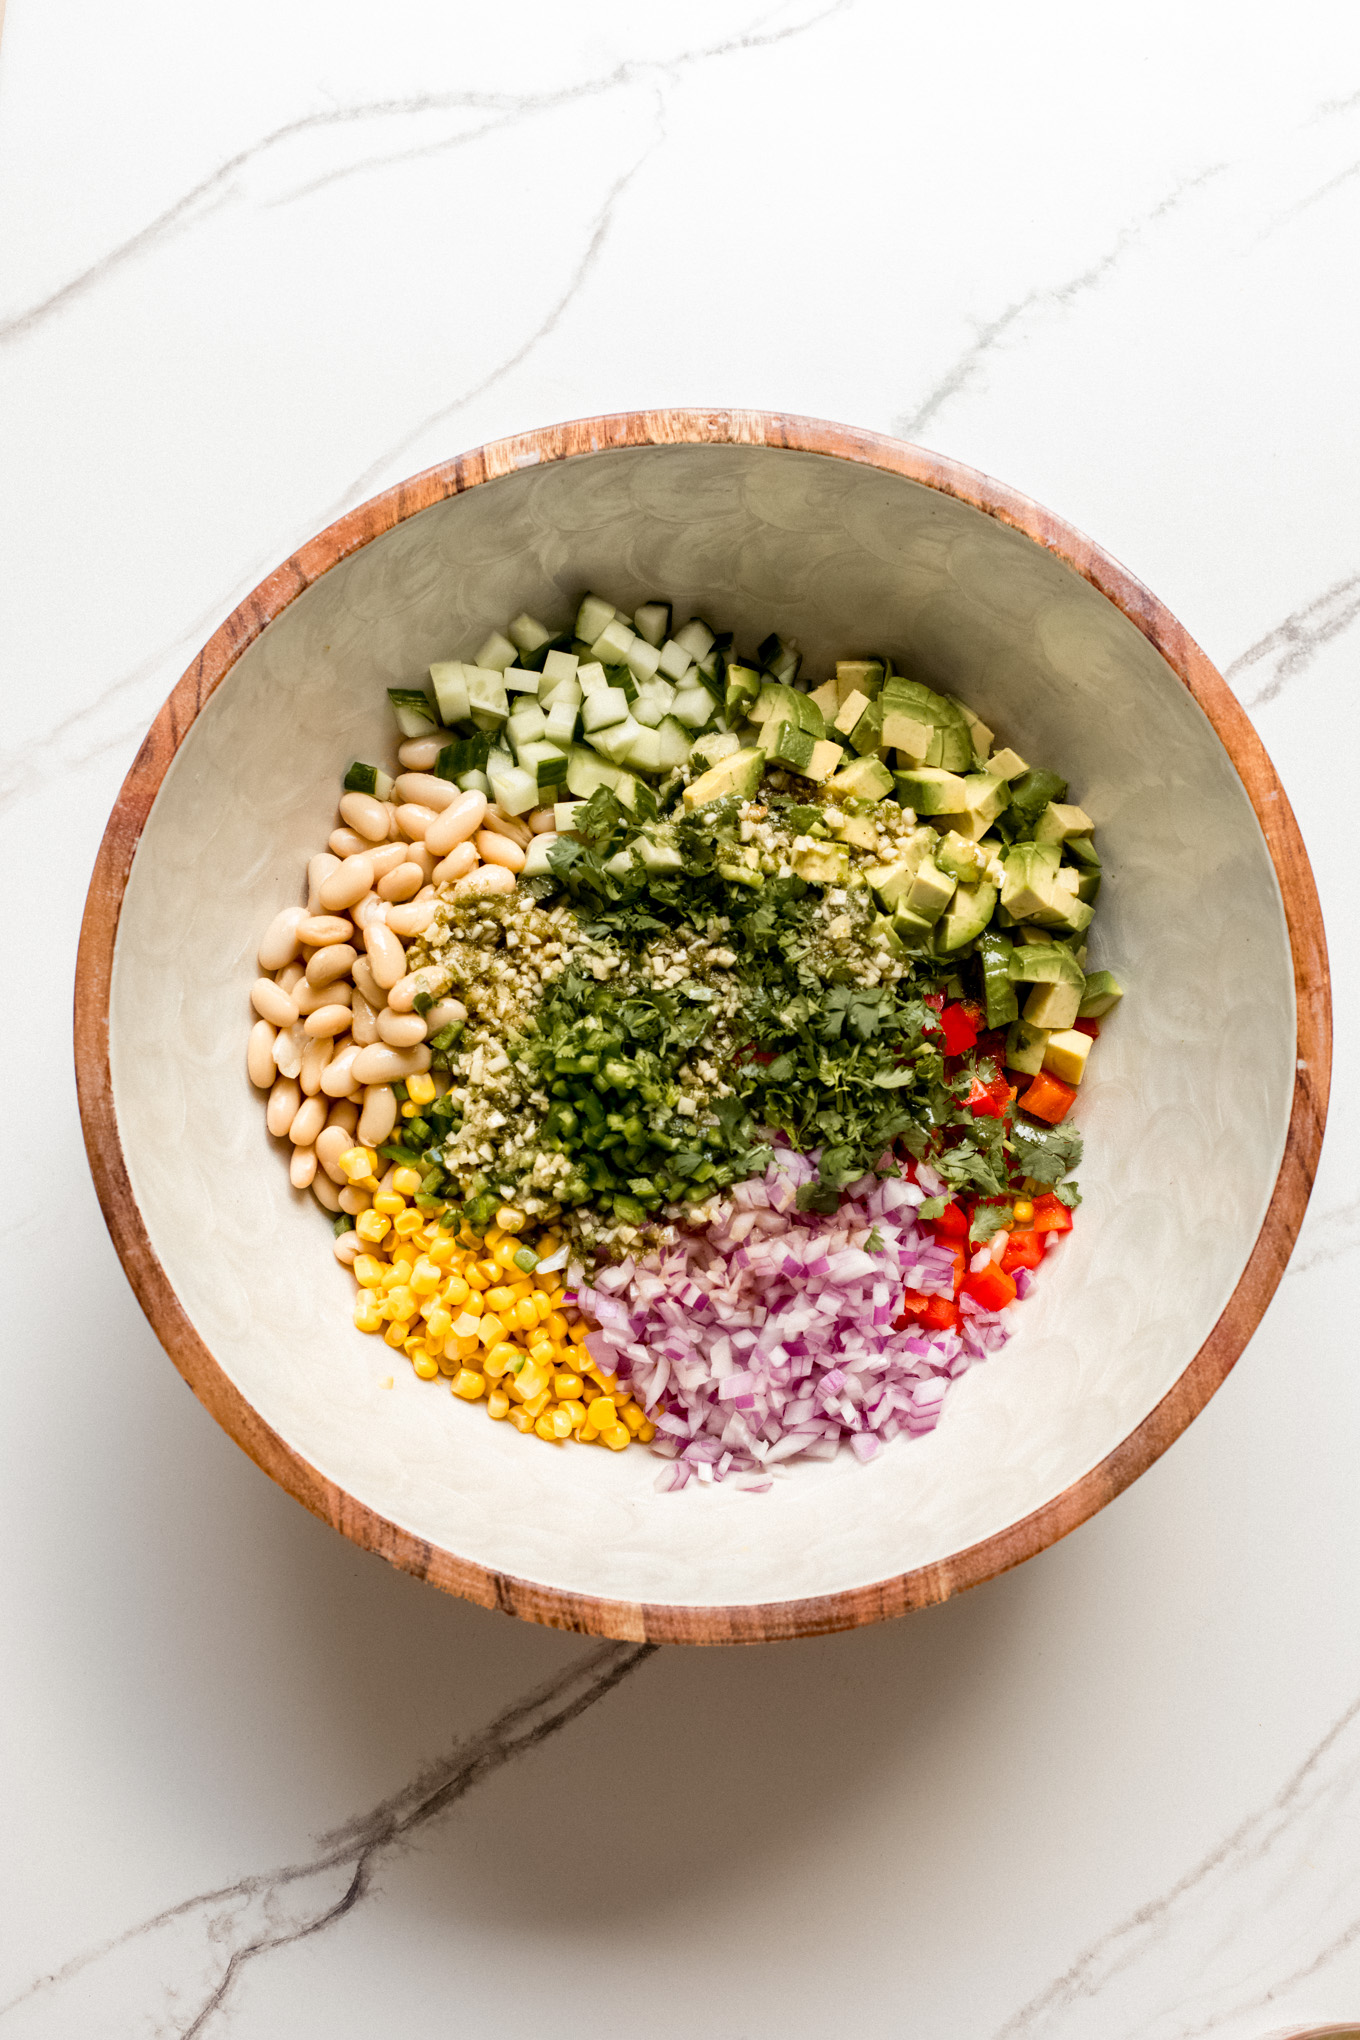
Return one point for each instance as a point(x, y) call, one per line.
point(602, 707)
point(592, 616)
point(547, 762)
point(616, 742)
point(675, 743)
point(536, 863)
point(655, 700)
point(559, 665)
point(696, 638)
point(449, 679)
point(497, 653)
point(527, 633)
point(693, 705)
point(411, 706)
point(488, 704)
point(560, 693)
point(559, 725)
point(519, 680)
point(652, 621)
point(565, 813)
point(675, 661)
point(611, 646)
point(464, 754)
point(591, 678)
point(642, 660)
point(715, 745)
point(644, 751)
point(372, 779)
point(526, 726)
point(516, 790)
point(474, 782)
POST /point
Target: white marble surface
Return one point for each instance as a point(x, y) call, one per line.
point(262, 260)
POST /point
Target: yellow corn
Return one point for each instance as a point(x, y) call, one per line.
point(489, 1328)
point(371, 1226)
point(438, 1323)
point(576, 1413)
point(388, 1201)
point(368, 1270)
point(646, 1434)
point(358, 1162)
point(616, 1437)
point(456, 1291)
point(521, 1420)
point(567, 1387)
point(367, 1316)
point(510, 1219)
point(420, 1090)
point(468, 1384)
point(425, 1364)
point(601, 1414)
point(406, 1181)
point(530, 1381)
point(500, 1299)
point(1023, 1211)
point(526, 1317)
point(425, 1277)
point(500, 1358)
point(635, 1418)
point(407, 1221)
point(395, 1334)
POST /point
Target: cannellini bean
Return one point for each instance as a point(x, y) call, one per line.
point(353, 879)
point(412, 920)
point(460, 861)
point(405, 991)
point(416, 853)
point(364, 1025)
point(400, 1030)
point(459, 820)
point(402, 884)
point(444, 1013)
point(260, 1055)
point(308, 1121)
point(382, 1065)
point(414, 819)
point(386, 957)
point(316, 930)
point(345, 1113)
point(348, 1248)
point(319, 869)
point(290, 1045)
point(388, 858)
point(331, 1143)
point(279, 943)
point(496, 849)
point(542, 821)
point(421, 754)
point(491, 878)
point(290, 977)
point(281, 1110)
point(354, 1201)
point(327, 1020)
point(379, 1115)
point(508, 825)
point(336, 960)
point(315, 1062)
point(428, 791)
point(366, 984)
point(337, 1078)
point(325, 1192)
point(271, 1004)
point(366, 816)
point(348, 842)
point(302, 1168)
point(308, 997)
point(369, 909)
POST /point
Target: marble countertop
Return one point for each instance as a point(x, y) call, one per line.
point(261, 261)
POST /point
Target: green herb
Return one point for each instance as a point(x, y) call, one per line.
point(1046, 1153)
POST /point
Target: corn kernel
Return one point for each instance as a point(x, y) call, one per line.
point(602, 1414)
point(579, 1332)
point(441, 1250)
point(531, 1381)
point(500, 1299)
point(504, 1252)
point(389, 1202)
point(489, 1328)
point(498, 1404)
point(646, 1434)
point(521, 1420)
point(420, 1090)
point(456, 1291)
point(474, 1277)
point(438, 1323)
point(616, 1437)
point(510, 1219)
point(1023, 1212)
point(401, 1301)
point(406, 1181)
point(500, 1358)
point(635, 1418)
point(449, 1363)
point(543, 1309)
point(424, 1277)
point(526, 1317)
point(371, 1226)
point(425, 1364)
point(408, 1110)
point(466, 1349)
point(567, 1387)
point(543, 1352)
point(358, 1163)
point(536, 1404)
point(395, 1334)
point(576, 1411)
point(367, 1316)
point(468, 1384)
point(560, 1420)
point(367, 1270)
point(406, 1222)
point(544, 1427)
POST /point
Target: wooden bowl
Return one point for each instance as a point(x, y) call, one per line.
point(1202, 1118)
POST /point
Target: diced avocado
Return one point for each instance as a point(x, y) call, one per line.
point(1065, 1055)
point(1030, 871)
point(1007, 764)
point(850, 711)
point(825, 759)
point(969, 912)
point(859, 676)
point(788, 746)
point(1067, 914)
point(740, 773)
point(979, 732)
point(773, 703)
point(913, 931)
point(1100, 995)
point(820, 862)
point(951, 745)
point(986, 799)
point(1088, 887)
point(902, 732)
point(497, 653)
point(1025, 1048)
point(743, 688)
point(957, 855)
point(1031, 794)
point(883, 935)
point(1083, 851)
point(931, 790)
point(740, 865)
point(864, 778)
point(827, 699)
point(1058, 822)
point(867, 735)
point(1053, 1006)
point(994, 954)
point(857, 830)
point(931, 891)
point(1046, 963)
point(891, 882)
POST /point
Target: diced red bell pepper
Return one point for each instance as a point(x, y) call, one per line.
point(1091, 1027)
point(989, 1101)
point(991, 1042)
point(959, 1025)
point(932, 1313)
point(1051, 1215)
point(1024, 1249)
point(951, 1225)
point(933, 999)
point(991, 1286)
point(1049, 1098)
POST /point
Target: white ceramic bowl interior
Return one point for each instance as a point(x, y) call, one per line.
point(1184, 1113)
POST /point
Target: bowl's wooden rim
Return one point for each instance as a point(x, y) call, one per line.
point(665, 1622)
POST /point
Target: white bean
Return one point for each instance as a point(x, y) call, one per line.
point(290, 977)
point(366, 984)
point(348, 842)
point(381, 1065)
point(325, 1192)
point(279, 943)
point(326, 1021)
point(344, 1114)
point(421, 754)
point(386, 957)
point(461, 819)
point(403, 995)
point(337, 1078)
point(402, 884)
point(302, 1168)
point(331, 1143)
point(316, 930)
point(460, 861)
point(414, 819)
point(369, 909)
point(347, 1249)
point(379, 1115)
point(366, 816)
point(290, 1045)
point(272, 1004)
point(284, 1100)
point(416, 853)
point(508, 825)
point(364, 1024)
point(354, 1200)
point(319, 869)
point(542, 821)
point(388, 858)
point(400, 1030)
point(336, 960)
point(260, 1055)
point(496, 849)
point(307, 1122)
point(427, 790)
point(353, 879)
point(308, 997)
point(492, 878)
point(445, 1013)
point(412, 920)
point(315, 1062)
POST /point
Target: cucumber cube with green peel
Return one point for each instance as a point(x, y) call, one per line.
point(414, 711)
point(516, 791)
point(1101, 993)
point(559, 725)
point(370, 779)
point(547, 763)
point(449, 680)
point(593, 616)
point(488, 703)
